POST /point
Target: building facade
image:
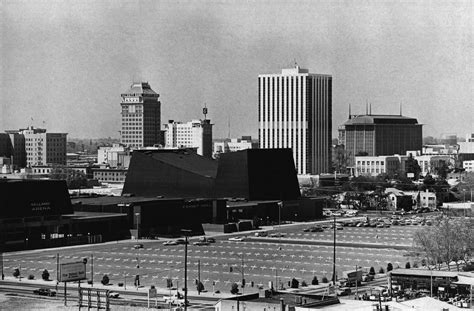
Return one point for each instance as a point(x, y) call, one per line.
point(44, 148)
point(375, 135)
point(193, 134)
point(141, 117)
point(373, 166)
point(232, 145)
point(114, 156)
point(468, 165)
point(295, 111)
point(111, 175)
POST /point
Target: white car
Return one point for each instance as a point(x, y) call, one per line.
point(238, 238)
point(170, 242)
point(113, 295)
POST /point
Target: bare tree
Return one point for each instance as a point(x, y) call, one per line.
point(448, 240)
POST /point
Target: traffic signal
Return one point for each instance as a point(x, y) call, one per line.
point(84, 261)
point(243, 282)
point(231, 269)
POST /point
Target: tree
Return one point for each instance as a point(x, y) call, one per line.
point(407, 265)
point(448, 240)
point(75, 179)
point(16, 272)
point(295, 283)
point(325, 280)
point(45, 275)
point(200, 287)
point(389, 267)
point(381, 270)
point(411, 166)
point(105, 279)
point(234, 289)
point(169, 283)
point(372, 271)
point(315, 281)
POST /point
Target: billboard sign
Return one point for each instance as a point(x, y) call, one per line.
point(72, 271)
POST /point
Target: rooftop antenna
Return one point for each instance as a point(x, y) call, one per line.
point(204, 111)
point(370, 109)
point(350, 116)
point(366, 107)
point(296, 64)
point(228, 127)
point(400, 109)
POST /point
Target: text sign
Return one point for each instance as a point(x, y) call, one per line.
point(72, 271)
point(152, 293)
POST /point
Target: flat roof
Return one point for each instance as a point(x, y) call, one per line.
point(424, 272)
point(93, 215)
point(107, 200)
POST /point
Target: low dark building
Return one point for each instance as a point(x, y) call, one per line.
point(152, 216)
point(38, 214)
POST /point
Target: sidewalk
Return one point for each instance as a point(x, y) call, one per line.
point(130, 290)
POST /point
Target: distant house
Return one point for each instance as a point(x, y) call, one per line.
point(424, 199)
point(398, 200)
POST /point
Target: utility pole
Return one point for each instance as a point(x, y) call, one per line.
point(3, 276)
point(199, 277)
point(92, 270)
point(242, 270)
point(334, 254)
point(186, 232)
point(357, 284)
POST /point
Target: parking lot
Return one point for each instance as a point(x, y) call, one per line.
point(262, 261)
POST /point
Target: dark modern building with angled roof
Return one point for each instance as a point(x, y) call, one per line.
point(253, 174)
point(376, 135)
point(141, 117)
point(170, 173)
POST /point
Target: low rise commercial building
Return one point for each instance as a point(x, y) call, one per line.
point(468, 165)
point(110, 175)
point(115, 156)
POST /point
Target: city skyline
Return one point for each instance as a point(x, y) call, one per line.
point(67, 63)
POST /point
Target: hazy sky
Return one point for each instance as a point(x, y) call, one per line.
point(66, 62)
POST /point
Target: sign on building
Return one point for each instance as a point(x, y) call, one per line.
point(72, 271)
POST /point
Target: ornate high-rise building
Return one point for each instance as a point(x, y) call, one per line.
point(295, 111)
point(141, 117)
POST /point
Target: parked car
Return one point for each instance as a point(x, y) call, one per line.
point(343, 291)
point(137, 246)
point(238, 238)
point(277, 235)
point(181, 241)
point(113, 295)
point(170, 242)
point(45, 292)
point(211, 240)
point(200, 243)
point(262, 234)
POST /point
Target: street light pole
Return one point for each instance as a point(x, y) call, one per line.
point(92, 270)
point(185, 268)
point(138, 235)
point(334, 253)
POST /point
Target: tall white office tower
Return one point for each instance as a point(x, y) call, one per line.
point(295, 111)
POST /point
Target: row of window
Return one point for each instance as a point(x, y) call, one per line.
point(382, 163)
